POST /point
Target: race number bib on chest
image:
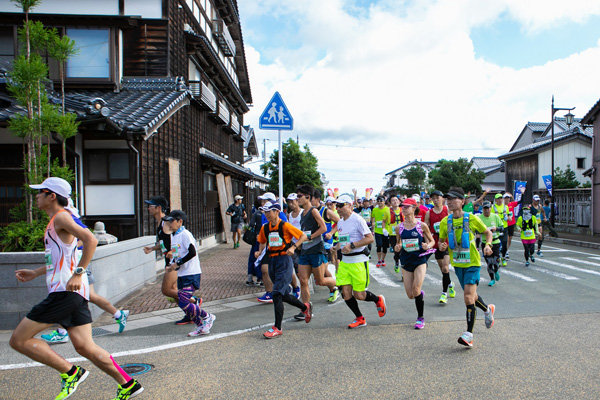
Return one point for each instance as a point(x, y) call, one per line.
point(529, 232)
point(344, 240)
point(48, 257)
point(461, 256)
point(436, 227)
point(379, 224)
point(366, 215)
point(275, 240)
point(410, 244)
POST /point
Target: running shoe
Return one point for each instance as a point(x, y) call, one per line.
point(539, 253)
point(208, 323)
point(357, 323)
point(250, 283)
point(489, 316)
point(273, 332)
point(265, 298)
point(127, 393)
point(296, 292)
point(492, 283)
point(378, 264)
point(69, 383)
point(170, 299)
point(383, 263)
point(197, 331)
point(55, 337)
point(300, 316)
point(507, 256)
point(497, 275)
point(504, 262)
point(466, 339)
point(381, 309)
point(185, 320)
point(260, 283)
point(123, 320)
point(443, 299)
point(420, 324)
point(532, 259)
point(333, 296)
point(397, 269)
point(451, 291)
point(527, 263)
point(308, 312)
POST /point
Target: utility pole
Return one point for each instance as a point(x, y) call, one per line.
point(265, 154)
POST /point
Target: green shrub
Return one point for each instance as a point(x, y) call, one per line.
point(22, 236)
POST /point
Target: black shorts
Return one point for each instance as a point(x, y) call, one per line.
point(511, 229)
point(65, 308)
point(440, 254)
point(189, 280)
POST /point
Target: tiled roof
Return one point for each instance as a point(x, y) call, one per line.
point(224, 163)
point(538, 126)
point(140, 108)
point(485, 162)
point(545, 141)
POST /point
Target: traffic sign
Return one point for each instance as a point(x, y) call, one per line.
point(276, 116)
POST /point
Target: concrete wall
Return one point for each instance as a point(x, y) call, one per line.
point(119, 269)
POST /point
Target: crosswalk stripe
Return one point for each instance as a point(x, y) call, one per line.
point(546, 271)
point(572, 267)
point(504, 271)
point(382, 278)
point(581, 261)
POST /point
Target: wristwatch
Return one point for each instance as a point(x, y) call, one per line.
point(79, 270)
point(352, 246)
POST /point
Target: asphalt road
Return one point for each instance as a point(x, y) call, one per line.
point(543, 345)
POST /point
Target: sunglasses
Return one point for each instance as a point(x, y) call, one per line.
point(340, 205)
point(300, 195)
point(45, 191)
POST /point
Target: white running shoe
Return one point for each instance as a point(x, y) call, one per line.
point(208, 323)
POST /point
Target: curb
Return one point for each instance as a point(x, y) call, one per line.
point(573, 242)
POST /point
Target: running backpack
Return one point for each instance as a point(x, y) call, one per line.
point(452, 242)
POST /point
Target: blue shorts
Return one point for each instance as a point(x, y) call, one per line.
point(314, 260)
point(467, 276)
point(188, 280)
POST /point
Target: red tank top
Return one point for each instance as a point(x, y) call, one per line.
point(434, 223)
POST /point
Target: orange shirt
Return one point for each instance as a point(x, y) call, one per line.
point(274, 242)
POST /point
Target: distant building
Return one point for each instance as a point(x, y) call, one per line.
point(593, 118)
point(494, 173)
point(393, 178)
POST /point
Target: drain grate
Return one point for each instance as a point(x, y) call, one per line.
point(100, 332)
point(137, 369)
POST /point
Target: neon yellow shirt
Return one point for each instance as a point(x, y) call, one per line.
point(475, 224)
point(528, 233)
point(381, 217)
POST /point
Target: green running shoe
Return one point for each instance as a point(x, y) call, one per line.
point(443, 298)
point(123, 320)
point(397, 269)
point(69, 383)
point(333, 296)
point(127, 393)
point(451, 291)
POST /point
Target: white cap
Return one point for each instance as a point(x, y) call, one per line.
point(507, 195)
point(416, 197)
point(329, 199)
point(238, 197)
point(343, 199)
point(56, 185)
point(292, 196)
point(536, 197)
point(268, 196)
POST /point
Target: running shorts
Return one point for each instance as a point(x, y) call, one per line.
point(188, 280)
point(65, 308)
point(313, 260)
point(467, 276)
point(353, 274)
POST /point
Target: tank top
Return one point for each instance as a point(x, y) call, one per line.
point(295, 221)
point(61, 261)
point(434, 223)
point(314, 245)
point(395, 218)
point(411, 241)
point(328, 224)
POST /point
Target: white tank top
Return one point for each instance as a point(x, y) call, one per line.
point(61, 261)
point(295, 222)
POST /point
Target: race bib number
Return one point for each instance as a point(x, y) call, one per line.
point(461, 256)
point(48, 257)
point(379, 224)
point(366, 215)
point(410, 245)
point(307, 233)
point(436, 227)
point(344, 240)
point(528, 232)
point(275, 240)
point(163, 249)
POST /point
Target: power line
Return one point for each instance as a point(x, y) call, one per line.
point(401, 148)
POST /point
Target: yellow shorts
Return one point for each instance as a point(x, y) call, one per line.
point(353, 274)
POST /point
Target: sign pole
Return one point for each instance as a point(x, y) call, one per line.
point(280, 170)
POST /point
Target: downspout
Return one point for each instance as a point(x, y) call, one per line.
point(138, 214)
point(71, 151)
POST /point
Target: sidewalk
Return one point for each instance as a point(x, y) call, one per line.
point(591, 242)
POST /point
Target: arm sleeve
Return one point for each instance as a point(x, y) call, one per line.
point(191, 254)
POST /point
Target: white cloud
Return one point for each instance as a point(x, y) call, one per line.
point(404, 75)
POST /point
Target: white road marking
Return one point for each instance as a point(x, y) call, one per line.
point(574, 251)
point(572, 267)
point(382, 278)
point(582, 261)
point(504, 271)
point(546, 271)
point(433, 280)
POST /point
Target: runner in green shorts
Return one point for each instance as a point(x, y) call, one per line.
point(458, 228)
point(353, 273)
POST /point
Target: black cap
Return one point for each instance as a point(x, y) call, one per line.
point(486, 204)
point(175, 215)
point(453, 195)
point(158, 201)
point(437, 193)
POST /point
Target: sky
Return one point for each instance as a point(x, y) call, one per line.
point(373, 85)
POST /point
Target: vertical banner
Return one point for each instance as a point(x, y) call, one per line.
point(519, 189)
point(548, 182)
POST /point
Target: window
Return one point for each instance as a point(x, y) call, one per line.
point(93, 59)
point(108, 166)
point(580, 162)
point(7, 43)
point(210, 194)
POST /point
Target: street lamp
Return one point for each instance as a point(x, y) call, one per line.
point(569, 120)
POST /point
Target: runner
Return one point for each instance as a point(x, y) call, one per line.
point(237, 212)
point(276, 238)
point(255, 224)
point(495, 225)
point(184, 260)
point(312, 259)
point(294, 215)
point(330, 204)
point(529, 230)
point(353, 273)
point(67, 301)
point(395, 218)
point(502, 211)
point(433, 219)
point(422, 209)
point(330, 219)
point(539, 213)
point(416, 244)
point(458, 228)
point(380, 216)
point(512, 220)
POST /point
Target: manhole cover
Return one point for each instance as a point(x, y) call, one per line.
point(100, 332)
point(137, 369)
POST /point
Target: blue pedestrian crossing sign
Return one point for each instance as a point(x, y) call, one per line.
point(276, 116)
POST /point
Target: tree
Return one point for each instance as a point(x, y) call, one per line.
point(564, 179)
point(299, 167)
point(449, 173)
point(415, 176)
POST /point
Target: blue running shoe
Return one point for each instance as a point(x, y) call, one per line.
point(266, 298)
point(123, 320)
point(296, 292)
point(55, 337)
